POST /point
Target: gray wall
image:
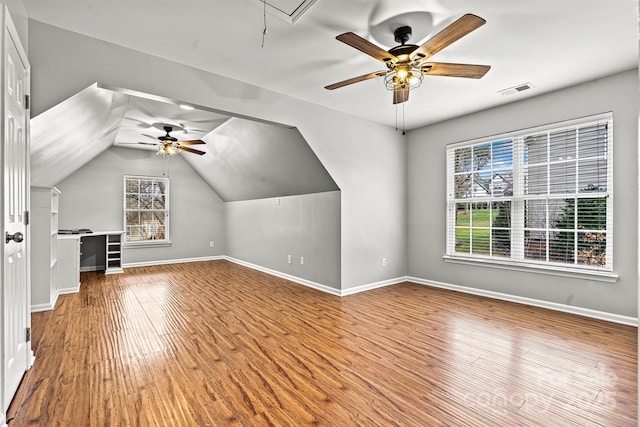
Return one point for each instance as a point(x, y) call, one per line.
point(354, 151)
point(427, 195)
point(92, 198)
point(264, 232)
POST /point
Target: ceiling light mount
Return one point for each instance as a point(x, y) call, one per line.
point(168, 138)
point(402, 34)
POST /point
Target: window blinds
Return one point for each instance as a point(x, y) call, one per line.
point(540, 195)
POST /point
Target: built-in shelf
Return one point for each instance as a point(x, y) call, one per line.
point(114, 253)
point(101, 250)
point(44, 247)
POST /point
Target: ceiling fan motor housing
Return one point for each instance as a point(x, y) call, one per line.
point(402, 34)
point(167, 137)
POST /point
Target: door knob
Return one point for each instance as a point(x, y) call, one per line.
point(16, 237)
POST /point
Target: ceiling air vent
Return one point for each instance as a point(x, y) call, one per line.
point(289, 10)
point(516, 89)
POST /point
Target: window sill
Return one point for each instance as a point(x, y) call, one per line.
point(601, 276)
point(135, 245)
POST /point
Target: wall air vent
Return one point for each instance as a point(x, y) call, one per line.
point(516, 89)
point(288, 10)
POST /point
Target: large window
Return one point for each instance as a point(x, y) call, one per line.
point(146, 210)
point(538, 197)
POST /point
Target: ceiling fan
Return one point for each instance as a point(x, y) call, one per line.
point(406, 63)
point(170, 145)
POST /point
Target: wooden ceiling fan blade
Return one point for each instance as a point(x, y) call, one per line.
point(192, 142)
point(400, 95)
point(454, 32)
point(191, 150)
point(365, 46)
point(470, 71)
point(356, 80)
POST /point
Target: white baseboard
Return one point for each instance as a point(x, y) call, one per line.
point(52, 304)
point(35, 308)
point(371, 286)
point(580, 311)
point(171, 261)
point(45, 306)
point(65, 291)
point(318, 286)
point(295, 279)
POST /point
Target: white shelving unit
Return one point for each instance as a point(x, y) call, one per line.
point(95, 251)
point(44, 247)
point(114, 253)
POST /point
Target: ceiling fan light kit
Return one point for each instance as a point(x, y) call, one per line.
point(169, 145)
point(403, 78)
point(406, 64)
point(167, 149)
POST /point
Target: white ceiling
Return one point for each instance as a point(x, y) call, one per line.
point(244, 159)
point(549, 43)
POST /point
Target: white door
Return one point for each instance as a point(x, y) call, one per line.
point(15, 150)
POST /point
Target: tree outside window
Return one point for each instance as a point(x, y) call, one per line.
point(535, 196)
point(146, 209)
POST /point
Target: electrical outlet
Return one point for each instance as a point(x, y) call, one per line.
point(384, 262)
point(210, 244)
point(301, 260)
point(289, 259)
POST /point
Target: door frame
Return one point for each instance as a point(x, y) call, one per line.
point(9, 30)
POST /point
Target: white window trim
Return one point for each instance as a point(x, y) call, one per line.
point(530, 267)
point(558, 269)
point(147, 243)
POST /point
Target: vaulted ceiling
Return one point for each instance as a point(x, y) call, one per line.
point(289, 46)
point(548, 43)
point(244, 159)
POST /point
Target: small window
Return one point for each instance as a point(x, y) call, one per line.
point(537, 197)
point(146, 210)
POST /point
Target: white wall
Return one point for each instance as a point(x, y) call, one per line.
point(92, 198)
point(265, 231)
point(354, 151)
point(427, 195)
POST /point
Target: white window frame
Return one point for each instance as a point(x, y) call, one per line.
point(149, 242)
point(517, 261)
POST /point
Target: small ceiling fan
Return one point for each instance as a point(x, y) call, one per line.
point(406, 63)
point(170, 145)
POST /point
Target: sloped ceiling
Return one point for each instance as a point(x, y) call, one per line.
point(244, 159)
point(72, 133)
point(550, 43)
point(253, 160)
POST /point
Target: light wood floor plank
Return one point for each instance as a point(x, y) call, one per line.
point(217, 344)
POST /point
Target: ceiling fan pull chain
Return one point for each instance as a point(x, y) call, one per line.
point(403, 119)
point(264, 17)
point(396, 117)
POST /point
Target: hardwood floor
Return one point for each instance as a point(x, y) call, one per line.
point(214, 344)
